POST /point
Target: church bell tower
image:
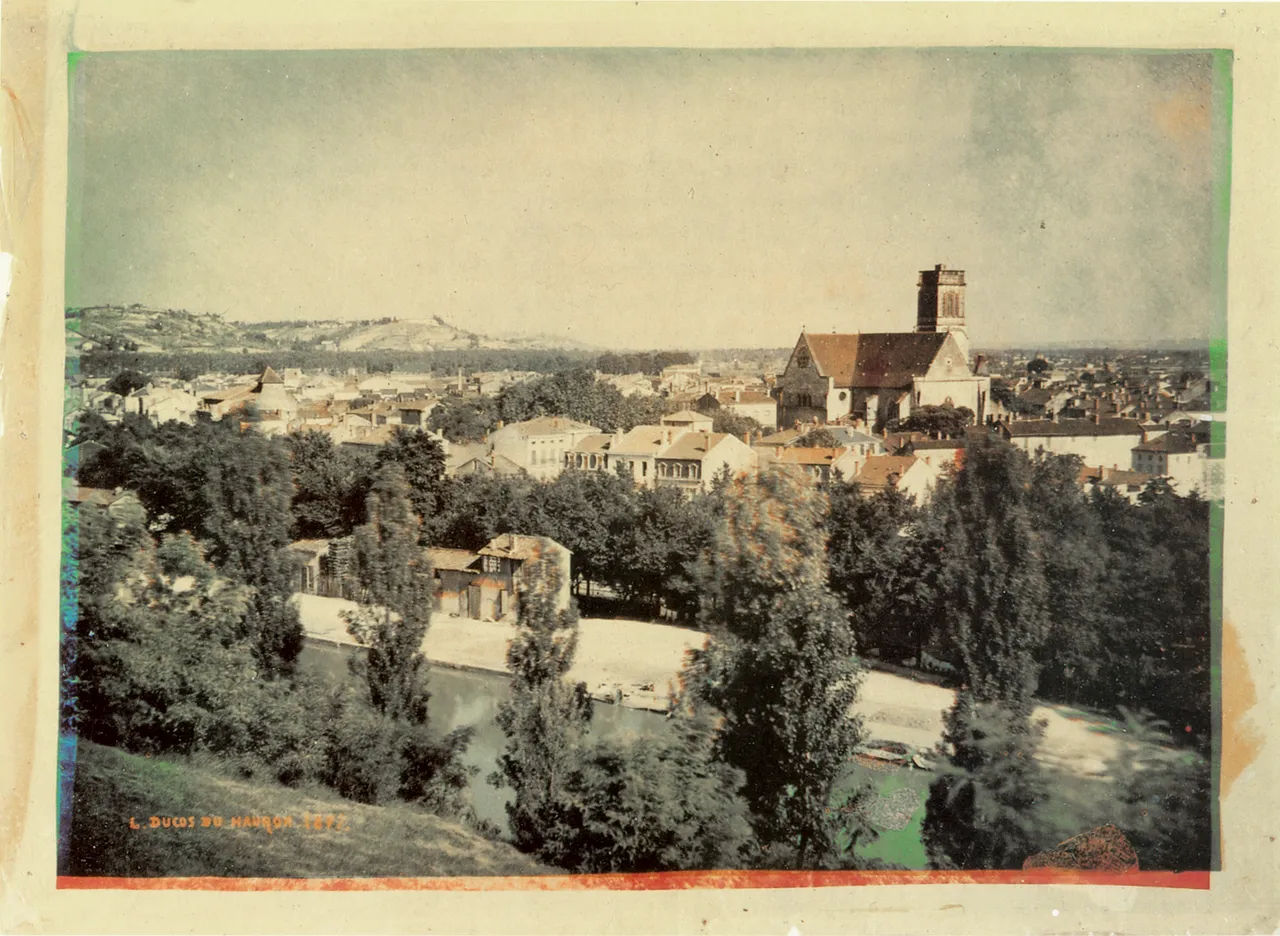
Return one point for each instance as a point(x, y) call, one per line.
point(940, 306)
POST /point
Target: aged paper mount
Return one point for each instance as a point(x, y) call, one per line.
point(37, 38)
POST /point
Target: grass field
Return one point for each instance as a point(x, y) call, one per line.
point(112, 788)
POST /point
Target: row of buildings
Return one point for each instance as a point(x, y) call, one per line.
point(1144, 421)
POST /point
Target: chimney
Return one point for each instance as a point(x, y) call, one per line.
point(746, 437)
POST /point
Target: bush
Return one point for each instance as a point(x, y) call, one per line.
point(431, 770)
point(644, 806)
point(362, 754)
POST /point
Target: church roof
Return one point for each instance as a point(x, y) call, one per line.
point(270, 376)
point(884, 359)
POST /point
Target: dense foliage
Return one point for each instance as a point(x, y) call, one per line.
point(187, 365)
point(781, 669)
point(545, 718)
point(937, 422)
point(605, 806)
point(641, 362)
point(1011, 583)
point(229, 489)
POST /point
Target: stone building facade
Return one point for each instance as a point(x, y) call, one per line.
point(877, 377)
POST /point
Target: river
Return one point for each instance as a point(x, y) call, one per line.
point(463, 698)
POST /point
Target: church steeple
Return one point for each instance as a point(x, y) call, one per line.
point(940, 306)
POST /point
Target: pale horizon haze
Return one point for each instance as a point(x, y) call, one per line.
point(654, 198)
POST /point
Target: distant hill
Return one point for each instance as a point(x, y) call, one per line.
point(378, 841)
point(147, 330)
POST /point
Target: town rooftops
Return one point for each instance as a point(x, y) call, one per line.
point(594, 444)
point(684, 418)
point(878, 359)
point(780, 439)
point(880, 471)
point(643, 440)
point(808, 456)
point(1037, 396)
point(520, 546)
point(729, 396)
point(692, 446)
point(227, 393)
point(443, 558)
point(1071, 427)
point(1171, 443)
point(547, 425)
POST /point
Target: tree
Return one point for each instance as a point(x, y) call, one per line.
point(1164, 797)
point(1038, 366)
point(422, 458)
point(330, 484)
point(159, 663)
point(818, 438)
point(544, 718)
point(588, 512)
point(780, 667)
point(993, 598)
point(881, 566)
point(127, 381)
point(662, 804)
point(992, 590)
point(1075, 561)
point(475, 508)
point(937, 422)
point(1154, 627)
point(659, 546)
point(463, 420)
point(389, 746)
point(982, 811)
point(735, 424)
point(229, 489)
point(578, 394)
point(393, 571)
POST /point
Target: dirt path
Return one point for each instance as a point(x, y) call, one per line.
point(637, 664)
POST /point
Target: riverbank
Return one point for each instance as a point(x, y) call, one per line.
point(637, 664)
point(632, 663)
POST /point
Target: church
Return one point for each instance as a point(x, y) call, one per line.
point(876, 377)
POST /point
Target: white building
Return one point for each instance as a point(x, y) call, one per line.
point(1107, 442)
point(539, 445)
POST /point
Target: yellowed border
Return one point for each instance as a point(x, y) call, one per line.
point(35, 38)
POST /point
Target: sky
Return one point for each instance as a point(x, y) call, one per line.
point(652, 198)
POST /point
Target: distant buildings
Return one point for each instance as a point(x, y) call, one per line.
point(483, 585)
point(539, 445)
point(1107, 441)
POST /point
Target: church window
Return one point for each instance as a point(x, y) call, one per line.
point(843, 395)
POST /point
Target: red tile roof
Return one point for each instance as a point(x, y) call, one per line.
point(880, 359)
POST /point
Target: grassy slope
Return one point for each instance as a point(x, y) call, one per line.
point(111, 786)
